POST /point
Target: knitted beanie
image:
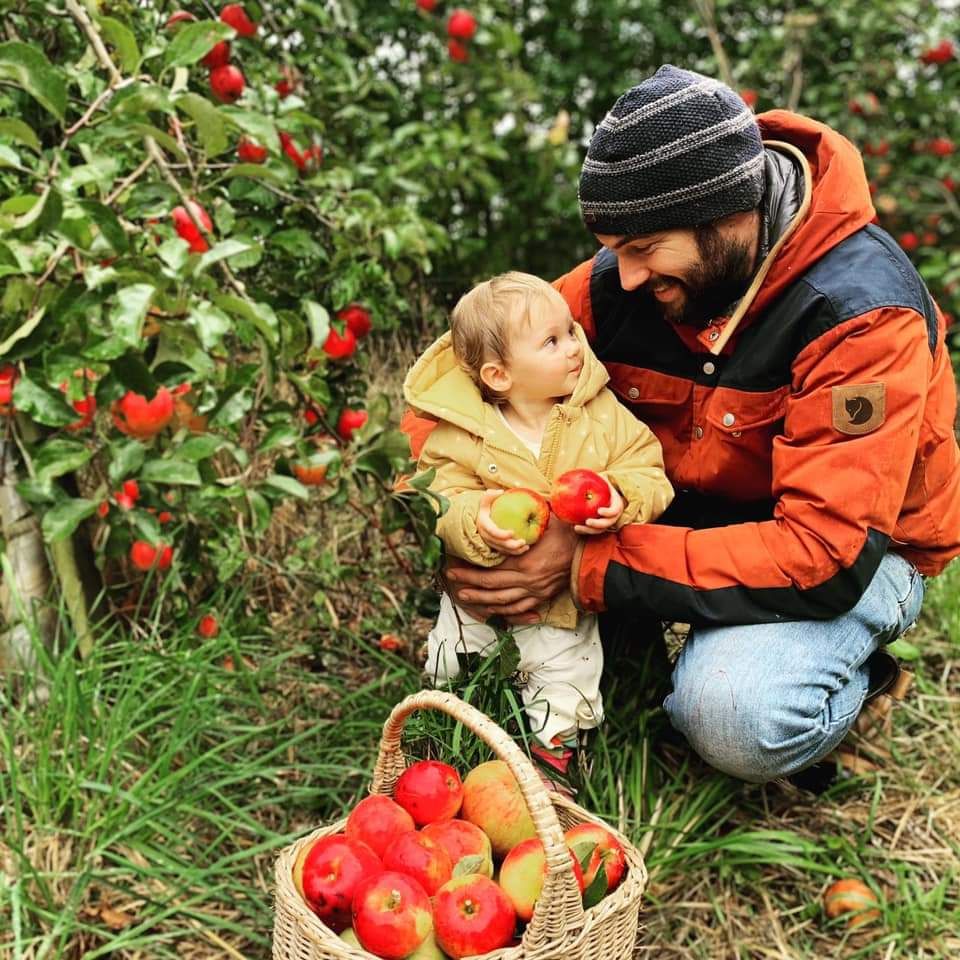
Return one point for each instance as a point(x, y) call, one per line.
point(677, 150)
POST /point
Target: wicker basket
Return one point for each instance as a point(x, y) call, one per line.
point(560, 928)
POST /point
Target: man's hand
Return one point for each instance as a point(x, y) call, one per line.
point(520, 584)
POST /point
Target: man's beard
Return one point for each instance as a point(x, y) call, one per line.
point(721, 277)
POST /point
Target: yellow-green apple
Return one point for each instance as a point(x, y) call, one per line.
point(417, 856)
point(596, 848)
point(327, 872)
point(577, 495)
point(522, 874)
point(391, 915)
point(463, 841)
point(429, 790)
point(350, 936)
point(428, 950)
point(472, 915)
point(377, 821)
point(523, 512)
point(493, 801)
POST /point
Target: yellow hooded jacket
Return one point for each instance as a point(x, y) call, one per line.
point(473, 450)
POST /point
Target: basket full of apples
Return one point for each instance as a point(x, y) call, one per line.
point(431, 866)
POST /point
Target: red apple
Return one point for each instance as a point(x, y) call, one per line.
point(310, 474)
point(851, 897)
point(577, 495)
point(349, 422)
point(941, 146)
point(458, 51)
point(461, 839)
point(391, 915)
point(327, 873)
point(603, 849)
point(234, 15)
point(749, 97)
point(909, 241)
point(943, 52)
point(428, 950)
point(472, 915)
point(390, 643)
point(218, 55)
point(339, 346)
point(523, 512)
point(145, 556)
point(138, 417)
point(462, 25)
point(9, 375)
point(523, 872)
point(429, 790)
point(492, 800)
point(227, 83)
point(290, 148)
point(180, 16)
point(428, 5)
point(250, 152)
point(357, 318)
point(377, 821)
point(417, 856)
point(164, 516)
point(187, 229)
point(208, 627)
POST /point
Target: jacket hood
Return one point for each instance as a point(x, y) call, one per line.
point(438, 386)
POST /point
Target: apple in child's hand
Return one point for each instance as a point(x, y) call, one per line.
point(327, 873)
point(577, 495)
point(604, 851)
point(523, 512)
point(416, 855)
point(523, 872)
point(429, 790)
point(463, 841)
point(472, 915)
point(377, 821)
point(492, 800)
point(391, 915)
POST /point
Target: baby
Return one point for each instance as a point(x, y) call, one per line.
point(520, 398)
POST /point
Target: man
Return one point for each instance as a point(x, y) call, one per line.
point(792, 363)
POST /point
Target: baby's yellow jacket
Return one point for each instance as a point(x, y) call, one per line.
point(473, 450)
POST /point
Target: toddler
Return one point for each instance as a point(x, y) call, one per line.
point(520, 398)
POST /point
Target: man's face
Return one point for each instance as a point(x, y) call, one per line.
point(689, 276)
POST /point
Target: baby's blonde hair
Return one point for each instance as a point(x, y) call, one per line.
point(484, 318)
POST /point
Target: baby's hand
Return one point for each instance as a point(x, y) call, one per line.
point(501, 540)
point(608, 515)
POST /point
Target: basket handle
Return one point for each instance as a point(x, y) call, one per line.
point(560, 907)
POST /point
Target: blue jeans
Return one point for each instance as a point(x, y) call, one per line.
point(766, 700)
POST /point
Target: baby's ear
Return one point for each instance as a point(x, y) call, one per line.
point(496, 376)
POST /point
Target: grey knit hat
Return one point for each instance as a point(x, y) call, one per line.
point(678, 150)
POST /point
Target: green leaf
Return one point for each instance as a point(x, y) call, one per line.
point(259, 510)
point(298, 243)
point(43, 405)
point(123, 41)
point(58, 456)
point(261, 315)
point(19, 132)
point(211, 127)
point(210, 323)
point(904, 649)
point(596, 891)
point(256, 171)
point(318, 319)
point(60, 521)
point(199, 448)
point(260, 127)
point(45, 212)
point(583, 851)
point(224, 249)
point(134, 374)
point(233, 408)
point(287, 485)
point(509, 658)
point(24, 330)
point(474, 863)
point(108, 223)
point(194, 41)
point(281, 435)
point(128, 313)
point(28, 68)
point(126, 458)
point(141, 98)
point(172, 472)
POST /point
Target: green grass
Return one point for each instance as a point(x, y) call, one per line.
point(143, 803)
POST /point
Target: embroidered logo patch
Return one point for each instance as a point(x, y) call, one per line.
point(859, 408)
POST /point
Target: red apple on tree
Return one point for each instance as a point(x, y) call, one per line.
point(9, 375)
point(429, 791)
point(578, 495)
point(391, 915)
point(187, 229)
point(136, 416)
point(339, 346)
point(472, 915)
point(144, 556)
point(350, 421)
point(428, 5)
point(377, 821)
point(909, 241)
point(462, 25)
point(208, 626)
point(227, 83)
point(523, 872)
point(218, 55)
point(416, 855)
point(178, 17)
point(235, 15)
point(462, 839)
point(357, 318)
point(523, 512)
point(328, 872)
point(458, 51)
point(250, 152)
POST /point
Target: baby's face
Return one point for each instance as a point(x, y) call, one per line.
point(545, 354)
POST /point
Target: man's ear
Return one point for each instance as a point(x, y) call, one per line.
point(496, 377)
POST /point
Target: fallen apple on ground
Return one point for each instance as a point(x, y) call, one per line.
point(851, 898)
point(523, 512)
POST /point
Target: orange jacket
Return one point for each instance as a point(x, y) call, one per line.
point(806, 434)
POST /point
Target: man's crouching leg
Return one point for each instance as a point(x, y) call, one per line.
point(767, 700)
